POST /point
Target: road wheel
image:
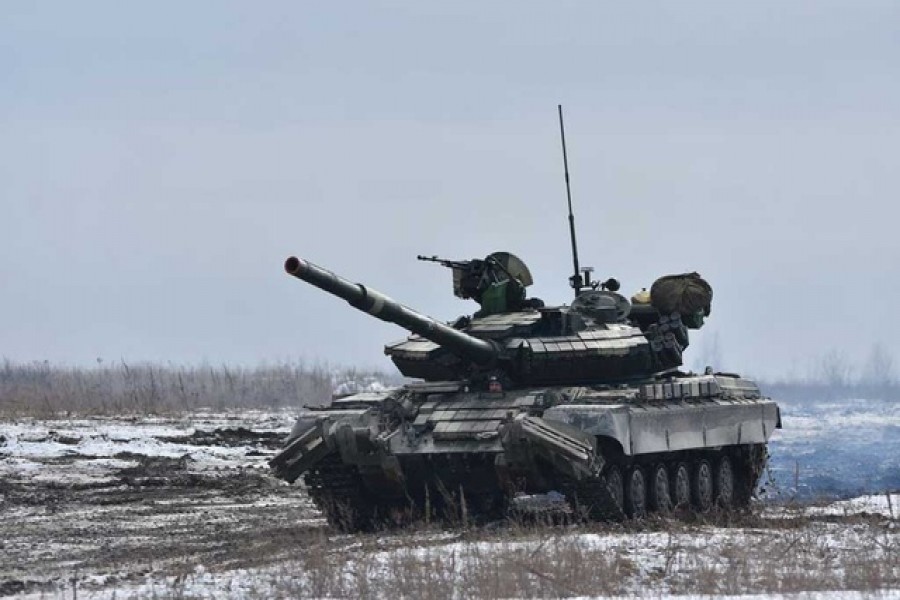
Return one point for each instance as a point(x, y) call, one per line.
point(725, 483)
point(681, 486)
point(636, 494)
point(616, 486)
point(702, 486)
point(660, 499)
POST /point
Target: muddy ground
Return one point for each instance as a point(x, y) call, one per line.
point(73, 507)
point(185, 507)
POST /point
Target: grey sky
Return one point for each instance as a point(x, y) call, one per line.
point(158, 162)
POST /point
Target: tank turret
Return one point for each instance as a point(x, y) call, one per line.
point(516, 340)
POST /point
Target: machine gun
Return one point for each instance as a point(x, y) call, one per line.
point(446, 262)
point(496, 282)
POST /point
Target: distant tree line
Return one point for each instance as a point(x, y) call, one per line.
point(40, 388)
point(832, 375)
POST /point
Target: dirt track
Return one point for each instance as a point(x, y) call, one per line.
point(68, 513)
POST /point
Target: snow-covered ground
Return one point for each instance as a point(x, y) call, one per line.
point(836, 449)
point(105, 498)
point(823, 559)
point(884, 505)
point(185, 507)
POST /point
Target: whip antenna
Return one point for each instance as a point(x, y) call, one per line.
point(575, 280)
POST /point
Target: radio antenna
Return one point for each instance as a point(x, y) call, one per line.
point(575, 280)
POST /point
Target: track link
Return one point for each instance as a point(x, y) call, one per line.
point(337, 490)
point(591, 498)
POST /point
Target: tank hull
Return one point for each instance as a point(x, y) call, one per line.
point(437, 448)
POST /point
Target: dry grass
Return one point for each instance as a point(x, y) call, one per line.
point(645, 560)
point(43, 390)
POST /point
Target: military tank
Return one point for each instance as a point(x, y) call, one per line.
point(586, 400)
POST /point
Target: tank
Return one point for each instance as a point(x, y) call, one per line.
point(585, 401)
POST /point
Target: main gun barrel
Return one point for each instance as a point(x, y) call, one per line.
point(378, 305)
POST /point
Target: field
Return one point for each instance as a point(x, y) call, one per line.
point(181, 505)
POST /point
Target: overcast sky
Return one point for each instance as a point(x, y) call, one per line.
point(159, 161)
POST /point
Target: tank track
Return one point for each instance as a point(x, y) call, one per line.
point(591, 499)
point(336, 489)
point(752, 464)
